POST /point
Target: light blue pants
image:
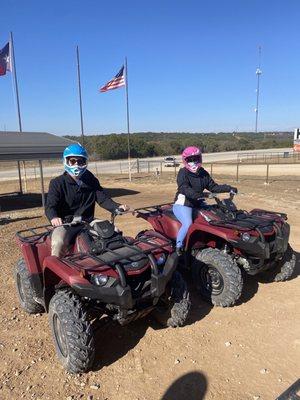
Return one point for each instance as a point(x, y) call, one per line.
point(184, 215)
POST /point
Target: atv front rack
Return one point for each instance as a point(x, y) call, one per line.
point(116, 261)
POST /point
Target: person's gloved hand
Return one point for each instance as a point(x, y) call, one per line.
point(124, 207)
point(233, 190)
point(56, 221)
point(206, 195)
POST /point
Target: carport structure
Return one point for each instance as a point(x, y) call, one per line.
point(33, 146)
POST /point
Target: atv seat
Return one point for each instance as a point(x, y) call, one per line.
point(170, 214)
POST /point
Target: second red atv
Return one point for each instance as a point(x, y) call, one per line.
point(224, 243)
point(105, 274)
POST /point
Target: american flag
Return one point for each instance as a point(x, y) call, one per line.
point(5, 64)
point(115, 83)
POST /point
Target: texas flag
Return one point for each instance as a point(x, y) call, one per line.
point(5, 62)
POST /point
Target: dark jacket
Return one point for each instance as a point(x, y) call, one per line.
point(67, 198)
point(191, 186)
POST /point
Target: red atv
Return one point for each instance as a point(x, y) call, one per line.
point(104, 274)
point(223, 243)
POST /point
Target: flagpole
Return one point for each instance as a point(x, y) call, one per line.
point(80, 97)
point(127, 112)
point(14, 68)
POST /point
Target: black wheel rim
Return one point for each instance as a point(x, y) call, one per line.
point(60, 336)
point(211, 280)
point(20, 288)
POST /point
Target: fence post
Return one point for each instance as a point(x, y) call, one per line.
point(148, 166)
point(137, 166)
point(175, 170)
point(42, 183)
point(267, 176)
point(161, 168)
point(120, 167)
point(25, 176)
point(34, 168)
point(96, 168)
point(237, 172)
point(211, 169)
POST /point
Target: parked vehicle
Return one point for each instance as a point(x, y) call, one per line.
point(225, 243)
point(104, 274)
point(169, 161)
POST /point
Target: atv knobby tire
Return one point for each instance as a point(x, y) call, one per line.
point(285, 267)
point(72, 331)
point(217, 277)
point(173, 308)
point(25, 291)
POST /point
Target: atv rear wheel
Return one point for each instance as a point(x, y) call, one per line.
point(283, 269)
point(72, 331)
point(25, 290)
point(286, 265)
point(173, 308)
point(217, 277)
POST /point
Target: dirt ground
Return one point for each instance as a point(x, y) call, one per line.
point(250, 351)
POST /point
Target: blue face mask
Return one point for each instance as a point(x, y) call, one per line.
point(75, 170)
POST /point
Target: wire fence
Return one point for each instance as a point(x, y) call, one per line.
point(253, 166)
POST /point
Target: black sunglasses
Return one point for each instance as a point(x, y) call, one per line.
point(78, 161)
point(193, 159)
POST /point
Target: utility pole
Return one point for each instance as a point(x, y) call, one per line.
point(258, 73)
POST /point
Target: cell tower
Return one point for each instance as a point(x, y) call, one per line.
point(258, 74)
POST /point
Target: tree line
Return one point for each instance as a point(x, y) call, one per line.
point(151, 144)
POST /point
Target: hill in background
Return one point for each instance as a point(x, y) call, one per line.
point(151, 144)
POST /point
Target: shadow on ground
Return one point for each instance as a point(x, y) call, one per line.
point(9, 220)
point(297, 268)
point(24, 201)
point(191, 386)
point(15, 202)
point(250, 288)
point(119, 192)
point(114, 341)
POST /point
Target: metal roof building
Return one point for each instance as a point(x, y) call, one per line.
point(20, 146)
point(24, 146)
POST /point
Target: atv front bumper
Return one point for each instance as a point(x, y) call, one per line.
point(114, 292)
point(260, 250)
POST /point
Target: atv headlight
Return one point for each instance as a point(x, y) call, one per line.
point(99, 280)
point(246, 237)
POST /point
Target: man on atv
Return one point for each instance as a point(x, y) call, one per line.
point(192, 180)
point(74, 193)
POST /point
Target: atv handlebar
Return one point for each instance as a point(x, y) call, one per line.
point(211, 195)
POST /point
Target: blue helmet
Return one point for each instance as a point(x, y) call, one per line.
point(75, 150)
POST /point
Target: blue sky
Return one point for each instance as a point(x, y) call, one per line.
point(191, 64)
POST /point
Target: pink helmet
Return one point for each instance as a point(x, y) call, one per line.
point(192, 158)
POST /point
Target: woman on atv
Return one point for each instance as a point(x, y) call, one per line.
point(74, 193)
point(192, 180)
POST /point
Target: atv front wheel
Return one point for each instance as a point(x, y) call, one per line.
point(25, 290)
point(173, 308)
point(217, 277)
point(72, 331)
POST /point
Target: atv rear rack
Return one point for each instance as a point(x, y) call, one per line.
point(32, 235)
point(151, 209)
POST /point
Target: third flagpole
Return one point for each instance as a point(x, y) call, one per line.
point(127, 112)
point(80, 97)
point(14, 68)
